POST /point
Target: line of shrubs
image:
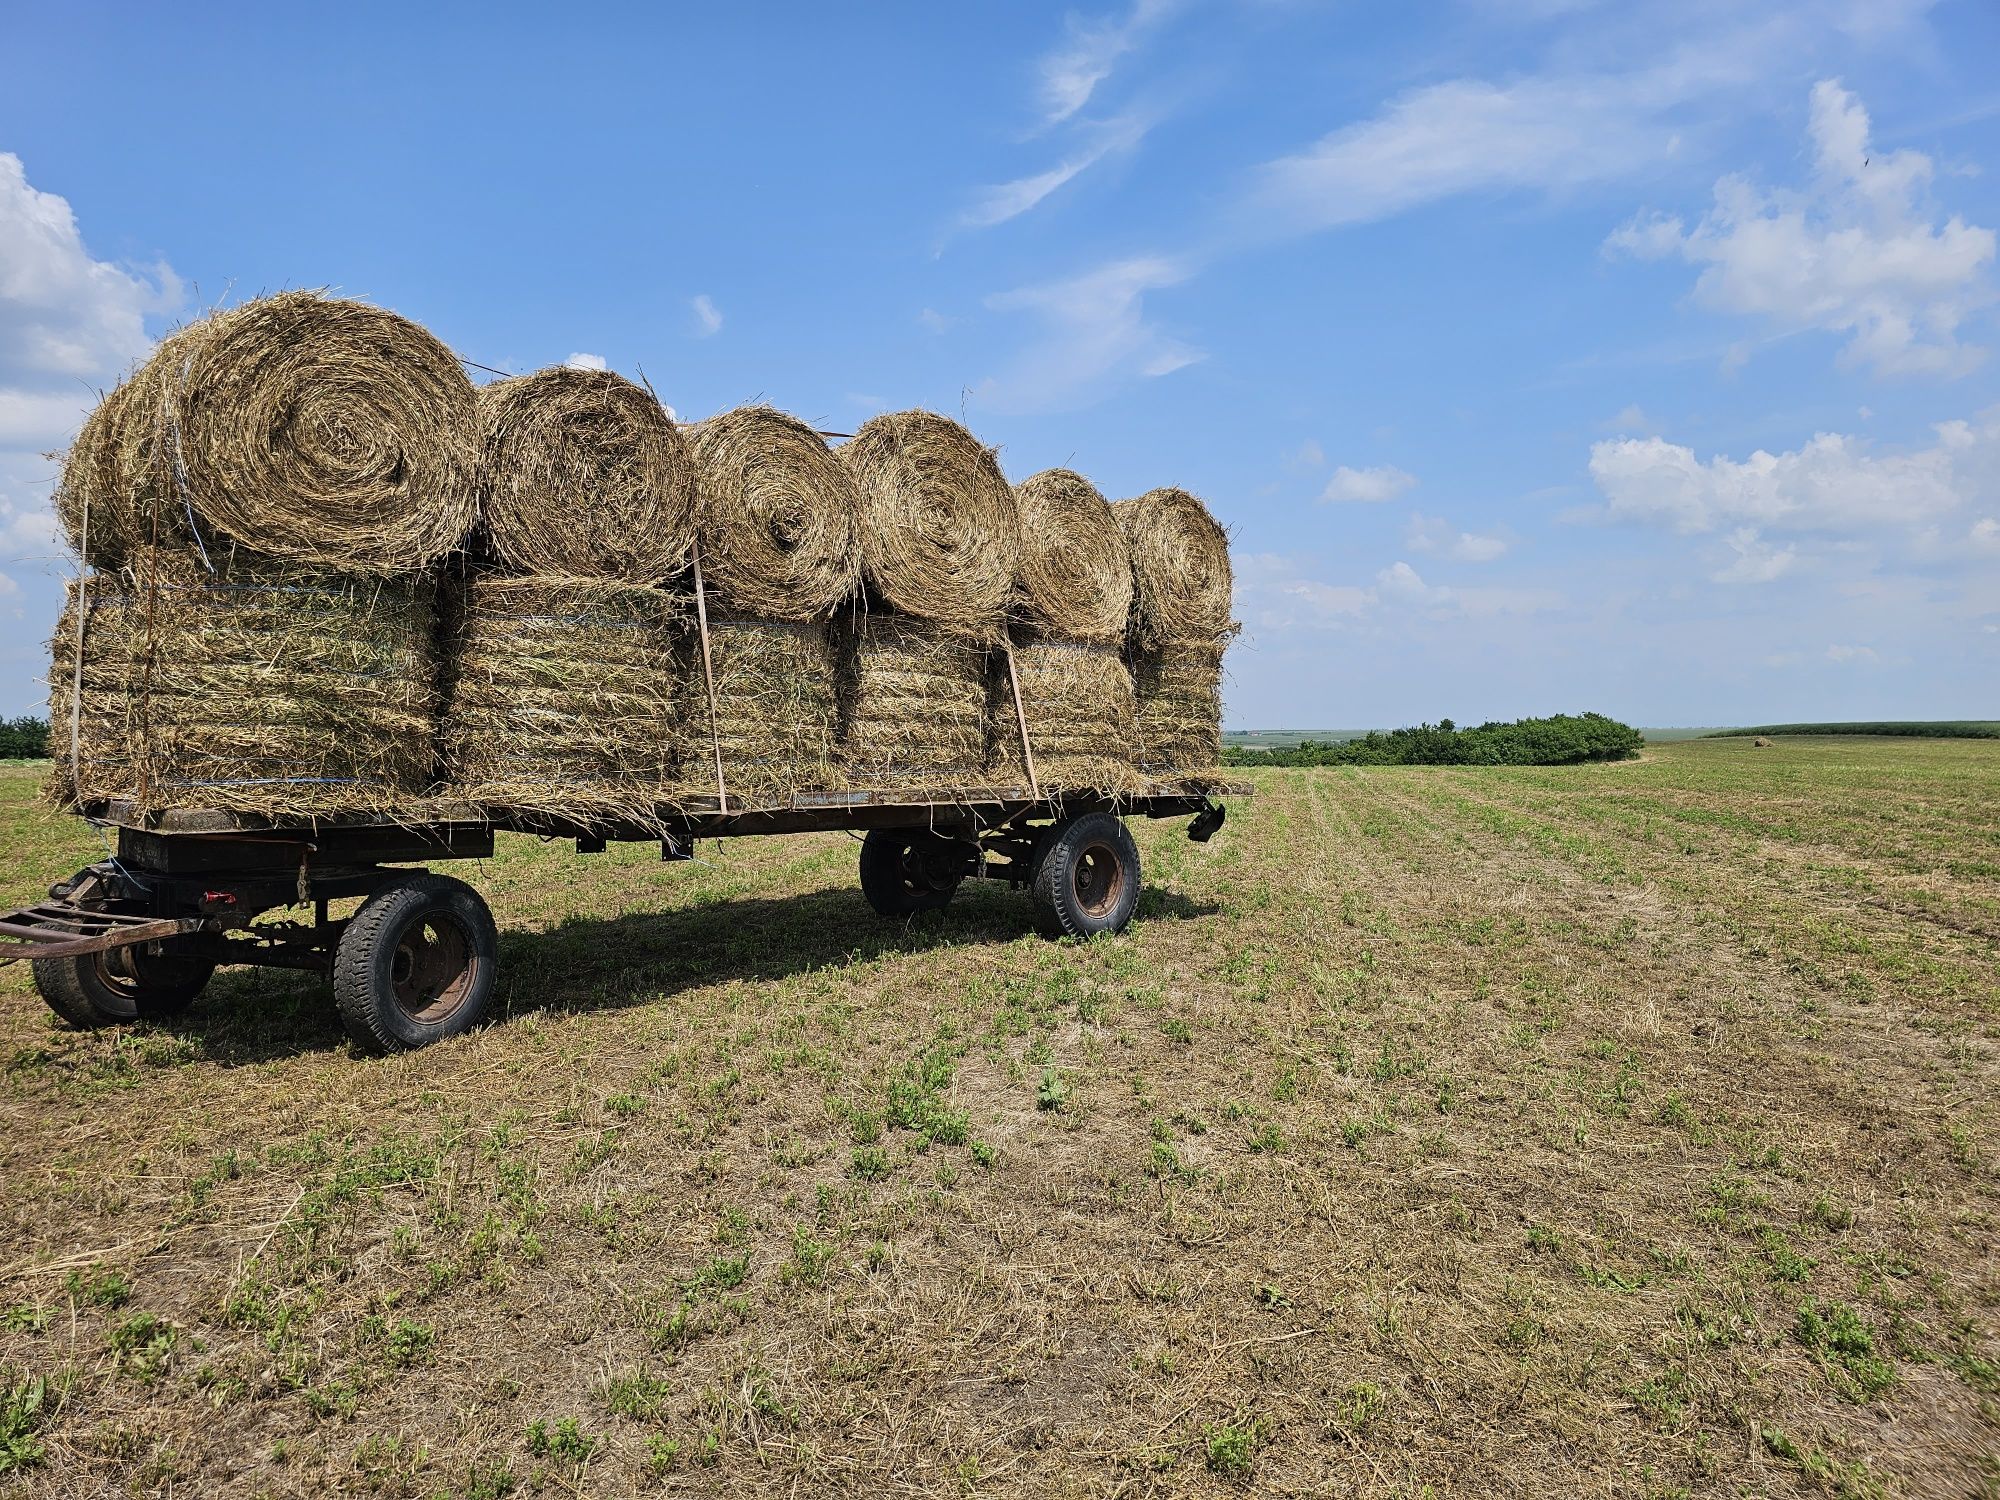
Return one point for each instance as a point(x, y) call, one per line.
point(1926, 729)
point(25, 738)
point(1559, 740)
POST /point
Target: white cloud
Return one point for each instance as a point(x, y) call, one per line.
point(1367, 486)
point(1007, 200)
point(1632, 419)
point(1856, 252)
point(1276, 593)
point(1433, 534)
point(1071, 73)
point(1832, 482)
point(707, 319)
point(1309, 455)
point(586, 362)
point(1862, 654)
point(1095, 325)
point(1985, 534)
point(1756, 561)
point(935, 321)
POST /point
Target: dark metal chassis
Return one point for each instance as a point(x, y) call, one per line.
point(190, 883)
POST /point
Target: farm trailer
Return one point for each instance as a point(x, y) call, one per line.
point(138, 935)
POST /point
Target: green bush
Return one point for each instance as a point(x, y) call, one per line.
point(1928, 729)
point(25, 738)
point(1561, 740)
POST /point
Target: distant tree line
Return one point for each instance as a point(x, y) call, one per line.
point(24, 738)
point(1928, 729)
point(1560, 740)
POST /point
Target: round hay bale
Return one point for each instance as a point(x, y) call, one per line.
point(1179, 717)
point(913, 705)
point(260, 688)
point(1077, 698)
point(586, 476)
point(565, 697)
point(940, 531)
point(778, 514)
point(1761, 743)
point(86, 494)
point(320, 431)
point(777, 712)
point(1180, 570)
point(1076, 567)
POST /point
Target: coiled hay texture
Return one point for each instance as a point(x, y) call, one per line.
point(777, 712)
point(913, 706)
point(1078, 700)
point(566, 698)
point(262, 688)
point(586, 476)
point(779, 516)
point(1180, 571)
point(309, 429)
point(1179, 711)
point(940, 531)
point(1076, 567)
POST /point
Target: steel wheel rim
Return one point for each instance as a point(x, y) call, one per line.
point(1097, 878)
point(431, 972)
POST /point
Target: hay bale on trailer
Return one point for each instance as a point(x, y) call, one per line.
point(940, 529)
point(585, 476)
point(913, 705)
point(1180, 624)
point(776, 714)
point(566, 697)
point(778, 514)
point(262, 687)
point(1178, 717)
point(1078, 700)
point(1075, 573)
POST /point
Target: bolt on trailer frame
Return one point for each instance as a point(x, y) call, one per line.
point(138, 935)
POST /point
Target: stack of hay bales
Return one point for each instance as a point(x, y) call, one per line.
point(261, 505)
point(1072, 608)
point(566, 662)
point(940, 534)
point(1180, 627)
point(778, 520)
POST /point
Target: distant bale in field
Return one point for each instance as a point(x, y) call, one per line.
point(322, 432)
point(1179, 710)
point(260, 688)
point(913, 705)
point(566, 697)
point(1761, 743)
point(940, 531)
point(779, 515)
point(1075, 573)
point(585, 476)
point(777, 711)
point(1180, 571)
point(1082, 716)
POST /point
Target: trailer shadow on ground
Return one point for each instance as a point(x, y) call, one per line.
point(581, 964)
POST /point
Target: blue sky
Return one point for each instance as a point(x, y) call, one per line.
point(1539, 354)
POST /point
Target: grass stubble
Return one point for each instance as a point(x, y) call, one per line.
point(1622, 1129)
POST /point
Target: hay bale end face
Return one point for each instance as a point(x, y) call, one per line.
point(913, 706)
point(777, 711)
point(1075, 572)
point(778, 514)
point(567, 697)
point(585, 476)
point(1180, 571)
point(940, 530)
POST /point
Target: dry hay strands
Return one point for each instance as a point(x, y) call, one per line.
point(1077, 698)
point(777, 712)
point(586, 476)
point(913, 706)
point(1076, 567)
point(940, 530)
point(1179, 718)
point(261, 688)
point(566, 698)
point(1180, 571)
point(319, 431)
point(779, 515)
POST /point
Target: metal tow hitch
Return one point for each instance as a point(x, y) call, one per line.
point(1202, 829)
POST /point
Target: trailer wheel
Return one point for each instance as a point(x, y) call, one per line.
point(1086, 877)
point(125, 984)
point(415, 964)
point(908, 870)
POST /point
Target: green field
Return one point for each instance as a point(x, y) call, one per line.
point(1623, 1129)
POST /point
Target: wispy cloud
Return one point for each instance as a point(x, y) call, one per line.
point(586, 362)
point(707, 319)
point(1367, 486)
point(1092, 326)
point(1007, 200)
point(1090, 49)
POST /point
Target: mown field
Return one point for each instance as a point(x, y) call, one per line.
point(1621, 1130)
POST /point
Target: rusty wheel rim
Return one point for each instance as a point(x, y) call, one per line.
point(1098, 878)
point(432, 970)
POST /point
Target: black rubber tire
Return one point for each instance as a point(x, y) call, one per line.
point(892, 886)
point(120, 987)
point(415, 964)
point(1086, 877)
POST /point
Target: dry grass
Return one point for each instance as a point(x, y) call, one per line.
point(913, 705)
point(261, 687)
point(940, 532)
point(779, 516)
point(777, 711)
point(585, 476)
point(1179, 712)
point(1180, 570)
point(1617, 1130)
point(1075, 573)
point(1078, 703)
